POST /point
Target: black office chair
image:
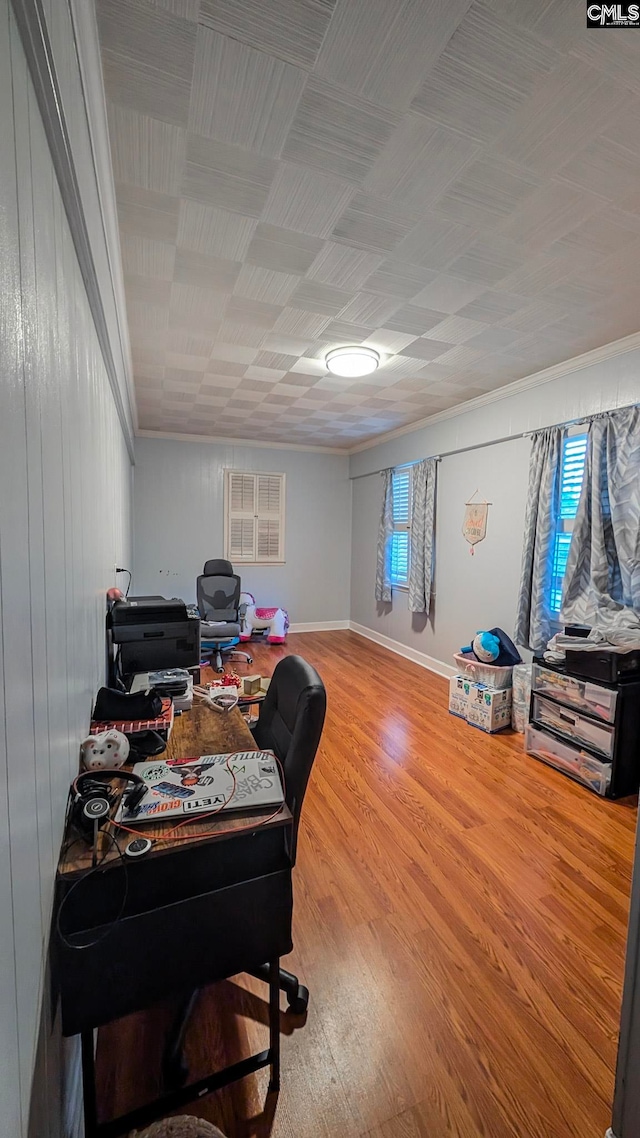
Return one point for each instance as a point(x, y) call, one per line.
point(218, 594)
point(290, 724)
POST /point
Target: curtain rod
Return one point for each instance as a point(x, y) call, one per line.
point(504, 439)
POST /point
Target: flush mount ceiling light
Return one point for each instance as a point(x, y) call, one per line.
point(352, 361)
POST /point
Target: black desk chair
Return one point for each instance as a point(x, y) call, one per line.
point(218, 594)
point(290, 724)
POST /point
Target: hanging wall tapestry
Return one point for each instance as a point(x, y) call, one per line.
point(474, 526)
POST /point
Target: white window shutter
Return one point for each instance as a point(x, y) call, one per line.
point(254, 505)
point(242, 539)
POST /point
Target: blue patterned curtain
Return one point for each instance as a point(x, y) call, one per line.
point(423, 507)
point(602, 582)
point(385, 536)
point(533, 620)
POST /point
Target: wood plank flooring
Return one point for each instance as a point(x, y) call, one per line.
point(460, 919)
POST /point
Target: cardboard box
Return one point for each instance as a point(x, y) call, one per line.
point(489, 709)
point(251, 685)
point(459, 690)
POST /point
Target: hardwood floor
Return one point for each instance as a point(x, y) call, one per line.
point(460, 919)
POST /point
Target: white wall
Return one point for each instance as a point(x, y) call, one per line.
point(179, 513)
point(64, 521)
point(479, 591)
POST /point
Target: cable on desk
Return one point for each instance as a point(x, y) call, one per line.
point(168, 837)
point(95, 869)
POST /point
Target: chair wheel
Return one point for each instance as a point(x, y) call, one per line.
point(220, 669)
point(175, 1070)
point(299, 1003)
point(249, 659)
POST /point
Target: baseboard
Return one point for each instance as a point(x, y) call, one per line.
point(319, 626)
point(421, 658)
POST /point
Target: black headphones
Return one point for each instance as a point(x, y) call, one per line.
point(92, 799)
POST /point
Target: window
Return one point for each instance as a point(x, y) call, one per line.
point(254, 517)
point(574, 453)
point(400, 540)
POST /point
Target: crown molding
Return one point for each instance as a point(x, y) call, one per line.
point(231, 440)
point(536, 379)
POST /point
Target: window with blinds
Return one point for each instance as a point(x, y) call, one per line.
point(400, 544)
point(254, 517)
point(574, 454)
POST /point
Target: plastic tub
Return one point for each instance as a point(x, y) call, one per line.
point(578, 764)
point(483, 673)
point(581, 694)
point(578, 728)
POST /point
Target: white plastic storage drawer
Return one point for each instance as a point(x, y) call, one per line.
point(581, 766)
point(581, 694)
point(585, 732)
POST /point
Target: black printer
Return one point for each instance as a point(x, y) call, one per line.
point(152, 633)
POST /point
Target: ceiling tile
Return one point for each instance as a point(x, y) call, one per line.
point(488, 259)
point(413, 319)
point(146, 213)
point(314, 296)
point(548, 214)
point(145, 151)
point(277, 360)
point(370, 310)
point(147, 58)
point(384, 340)
point(604, 168)
point(373, 223)
point(382, 50)
point(397, 278)
point(306, 201)
point(240, 310)
point(448, 294)
point(146, 258)
point(301, 323)
point(342, 266)
point(283, 250)
point(486, 191)
point(186, 8)
point(205, 229)
point(418, 163)
point(426, 349)
point(208, 272)
point(195, 307)
point(456, 329)
point(265, 284)
point(494, 338)
point(345, 332)
point(242, 96)
point(435, 242)
point(337, 133)
point(492, 306)
point(292, 30)
point(244, 334)
point(567, 111)
point(147, 290)
point(227, 177)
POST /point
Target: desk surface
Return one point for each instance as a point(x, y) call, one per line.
point(200, 731)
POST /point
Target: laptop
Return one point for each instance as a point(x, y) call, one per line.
point(188, 787)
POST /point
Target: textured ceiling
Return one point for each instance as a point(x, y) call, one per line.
point(453, 183)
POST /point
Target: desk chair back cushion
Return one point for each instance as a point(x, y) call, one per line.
point(218, 592)
point(290, 724)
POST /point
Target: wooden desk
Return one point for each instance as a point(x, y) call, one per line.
point(186, 914)
point(201, 731)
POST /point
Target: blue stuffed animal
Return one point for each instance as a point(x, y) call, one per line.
point(493, 647)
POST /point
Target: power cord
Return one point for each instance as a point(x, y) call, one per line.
point(129, 583)
point(95, 869)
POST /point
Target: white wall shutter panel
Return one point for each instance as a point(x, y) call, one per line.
point(254, 517)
